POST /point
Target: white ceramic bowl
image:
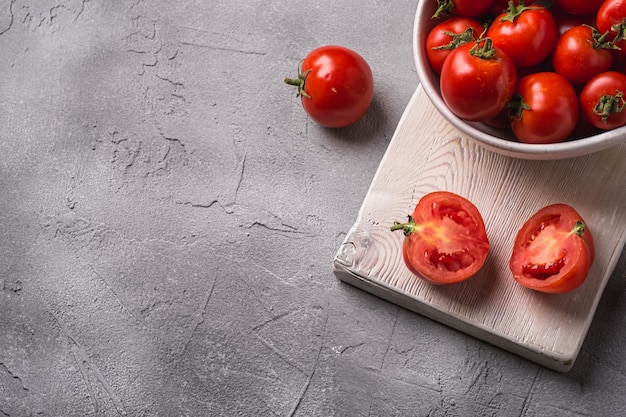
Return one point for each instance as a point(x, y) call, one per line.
point(502, 142)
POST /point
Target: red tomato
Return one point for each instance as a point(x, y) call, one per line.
point(527, 34)
point(582, 53)
point(446, 241)
point(448, 35)
point(477, 81)
point(546, 108)
point(602, 100)
point(612, 13)
point(466, 8)
point(579, 6)
point(336, 86)
point(553, 250)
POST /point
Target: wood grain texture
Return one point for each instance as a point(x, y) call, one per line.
point(427, 154)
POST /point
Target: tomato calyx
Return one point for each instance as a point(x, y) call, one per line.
point(445, 8)
point(299, 82)
point(517, 105)
point(609, 104)
point(513, 11)
point(483, 48)
point(458, 39)
point(601, 40)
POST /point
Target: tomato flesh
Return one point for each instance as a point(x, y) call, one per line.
point(446, 241)
point(553, 251)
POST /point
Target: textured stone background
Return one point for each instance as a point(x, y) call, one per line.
point(169, 217)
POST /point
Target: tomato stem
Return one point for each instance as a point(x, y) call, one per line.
point(299, 82)
point(407, 228)
point(579, 228)
point(513, 11)
point(445, 8)
point(486, 51)
point(517, 106)
point(458, 39)
point(601, 40)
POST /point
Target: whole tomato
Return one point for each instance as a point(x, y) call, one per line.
point(565, 21)
point(602, 100)
point(445, 241)
point(448, 35)
point(527, 34)
point(584, 7)
point(477, 81)
point(581, 53)
point(553, 250)
point(466, 8)
point(335, 84)
point(612, 17)
point(545, 110)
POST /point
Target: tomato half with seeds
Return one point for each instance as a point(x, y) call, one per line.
point(336, 86)
point(553, 250)
point(445, 239)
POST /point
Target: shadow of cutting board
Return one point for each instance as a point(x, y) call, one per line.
point(427, 154)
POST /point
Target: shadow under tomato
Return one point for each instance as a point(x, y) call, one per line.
point(369, 128)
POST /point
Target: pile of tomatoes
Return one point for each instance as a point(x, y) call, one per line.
point(548, 71)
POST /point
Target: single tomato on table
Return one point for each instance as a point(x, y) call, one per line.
point(553, 250)
point(335, 84)
point(445, 241)
point(602, 100)
point(527, 34)
point(447, 36)
point(544, 109)
point(477, 80)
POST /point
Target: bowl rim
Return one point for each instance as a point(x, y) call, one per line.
point(562, 150)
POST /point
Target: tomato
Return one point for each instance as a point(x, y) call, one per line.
point(477, 81)
point(465, 8)
point(545, 108)
point(448, 35)
point(581, 53)
point(602, 100)
point(612, 17)
point(445, 241)
point(579, 6)
point(335, 84)
point(527, 34)
point(553, 250)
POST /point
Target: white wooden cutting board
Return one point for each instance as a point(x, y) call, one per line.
point(427, 154)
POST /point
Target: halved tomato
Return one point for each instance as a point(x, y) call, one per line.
point(446, 241)
point(553, 250)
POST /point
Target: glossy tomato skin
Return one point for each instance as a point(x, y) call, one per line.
point(548, 111)
point(612, 12)
point(527, 37)
point(577, 58)
point(338, 86)
point(446, 241)
point(476, 88)
point(553, 250)
point(605, 93)
point(581, 7)
point(440, 42)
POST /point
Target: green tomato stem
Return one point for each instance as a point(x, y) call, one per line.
point(407, 228)
point(299, 82)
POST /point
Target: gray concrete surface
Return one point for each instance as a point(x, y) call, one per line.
point(169, 217)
